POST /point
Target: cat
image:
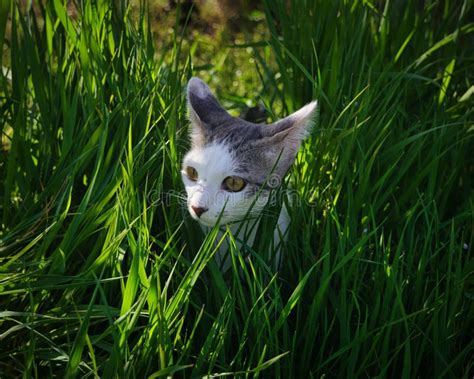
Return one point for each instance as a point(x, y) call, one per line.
point(233, 165)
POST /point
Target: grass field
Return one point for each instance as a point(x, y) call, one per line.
point(104, 274)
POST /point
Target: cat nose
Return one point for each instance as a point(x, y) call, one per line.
point(199, 210)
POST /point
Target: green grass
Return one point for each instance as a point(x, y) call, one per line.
point(103, 274)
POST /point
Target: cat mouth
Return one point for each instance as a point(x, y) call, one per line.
point(209, 220)
point(204, 219)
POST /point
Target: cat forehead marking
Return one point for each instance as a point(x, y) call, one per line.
point(214, 158)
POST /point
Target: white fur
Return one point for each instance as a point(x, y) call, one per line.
point(214, 163)
point(305, 113)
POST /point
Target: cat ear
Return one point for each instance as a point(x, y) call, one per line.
point(283, 138)
point(205, 112)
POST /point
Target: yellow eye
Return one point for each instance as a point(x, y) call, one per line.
point(233, 184)
point(192, 173)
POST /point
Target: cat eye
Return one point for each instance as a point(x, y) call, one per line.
point(192, 173)
point(233, 184)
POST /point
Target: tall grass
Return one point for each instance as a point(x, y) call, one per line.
point(103, 274)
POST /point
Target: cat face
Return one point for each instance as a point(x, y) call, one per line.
point(216, 187)
point(233, 164)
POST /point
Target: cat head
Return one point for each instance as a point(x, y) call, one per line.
point(233, 164)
